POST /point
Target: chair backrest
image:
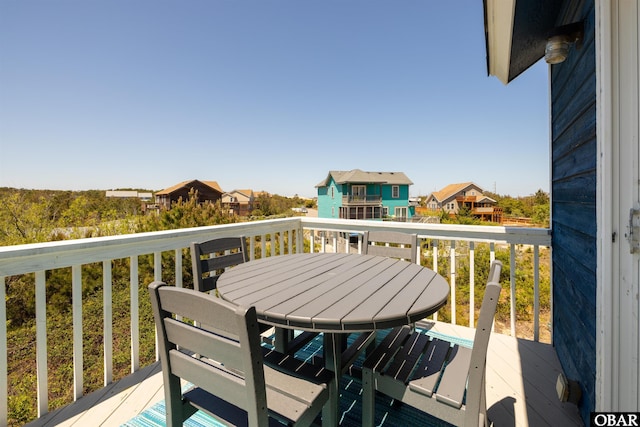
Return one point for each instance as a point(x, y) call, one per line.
point(210, 258)
point(481, 341)
point(392, 244)
point(230, 363)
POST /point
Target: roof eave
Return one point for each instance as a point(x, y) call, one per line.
point(516, 33)
point(499, 16)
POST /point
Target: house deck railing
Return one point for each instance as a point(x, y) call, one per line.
point(454, 245)
point(351, 199)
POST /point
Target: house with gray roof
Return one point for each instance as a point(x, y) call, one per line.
point(357, 194)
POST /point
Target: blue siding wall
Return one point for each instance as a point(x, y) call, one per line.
point(391, 203)
point(573, 173)
point(329, 207)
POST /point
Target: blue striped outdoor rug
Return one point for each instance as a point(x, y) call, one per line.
point(388, 412)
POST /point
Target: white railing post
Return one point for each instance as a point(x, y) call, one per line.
point(4, 382)
point(108, 321)
point(512, 264)
point(435, 244)
point(157, 277)
point(78, 358)
point(135, 313)
point(41, 343)
point(536, 293)
point(452, 280)
point(178, 267)
point(252, 248)
point(472, 285)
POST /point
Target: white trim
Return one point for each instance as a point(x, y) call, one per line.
point(604, 191)
point(618, 99)
point(500, 18)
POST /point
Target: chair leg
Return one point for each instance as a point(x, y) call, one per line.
point(483, 404)
point(368, 398)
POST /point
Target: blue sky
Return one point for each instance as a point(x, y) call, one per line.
point(268, 95)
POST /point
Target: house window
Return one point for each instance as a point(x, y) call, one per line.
point(333, 211)
point(395, 191)
point(332, 192)
point(401, 213)
point(385, 211)
point(359, 192)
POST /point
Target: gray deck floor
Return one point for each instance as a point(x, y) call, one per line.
point(521, 378)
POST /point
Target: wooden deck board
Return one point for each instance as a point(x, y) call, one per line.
point(521, 377)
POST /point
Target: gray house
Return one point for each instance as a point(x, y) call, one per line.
point(594, 49)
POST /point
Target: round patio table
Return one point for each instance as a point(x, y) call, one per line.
point(335, 294)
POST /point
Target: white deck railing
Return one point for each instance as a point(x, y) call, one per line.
point(266, 238)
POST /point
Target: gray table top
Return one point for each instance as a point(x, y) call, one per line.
point(335, 292)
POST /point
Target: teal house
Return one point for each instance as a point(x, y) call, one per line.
point(357, 194)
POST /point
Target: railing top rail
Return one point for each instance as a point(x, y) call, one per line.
point(32, 257)
point(477, 233)
point(28, 258)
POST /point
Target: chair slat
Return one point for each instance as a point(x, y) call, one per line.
point(454, 379)
point(393, 244)
point(406, 359)
point(426, 376)
point(210, 377)
point(383, 353)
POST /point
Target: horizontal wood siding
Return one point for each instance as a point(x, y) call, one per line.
point(573, 101)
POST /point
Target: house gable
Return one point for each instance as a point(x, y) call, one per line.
point(208, 191)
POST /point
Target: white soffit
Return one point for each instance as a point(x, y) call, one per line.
point(500, 18)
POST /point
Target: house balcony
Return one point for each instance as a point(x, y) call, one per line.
point(368, 200)
point(522, 366)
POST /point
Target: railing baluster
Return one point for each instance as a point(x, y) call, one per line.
point(4, 382)
point(452, 280)
point(263, 246)
point(41, 343)
point(512, 264)
point(76, 303)
point(135, 314)
point(472, 285)
point(435, 267)
point(108, 321)
point(157, 276)
point(290, 241)
point(536, 293)
point(178, 267)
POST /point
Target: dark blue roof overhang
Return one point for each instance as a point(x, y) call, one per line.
point(516, 33)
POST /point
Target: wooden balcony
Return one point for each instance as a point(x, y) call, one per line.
point(522, 370)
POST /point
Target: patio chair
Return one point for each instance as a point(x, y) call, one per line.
point(226, 368)
point(443, 379)
point(210, 258)
point(392, 244)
